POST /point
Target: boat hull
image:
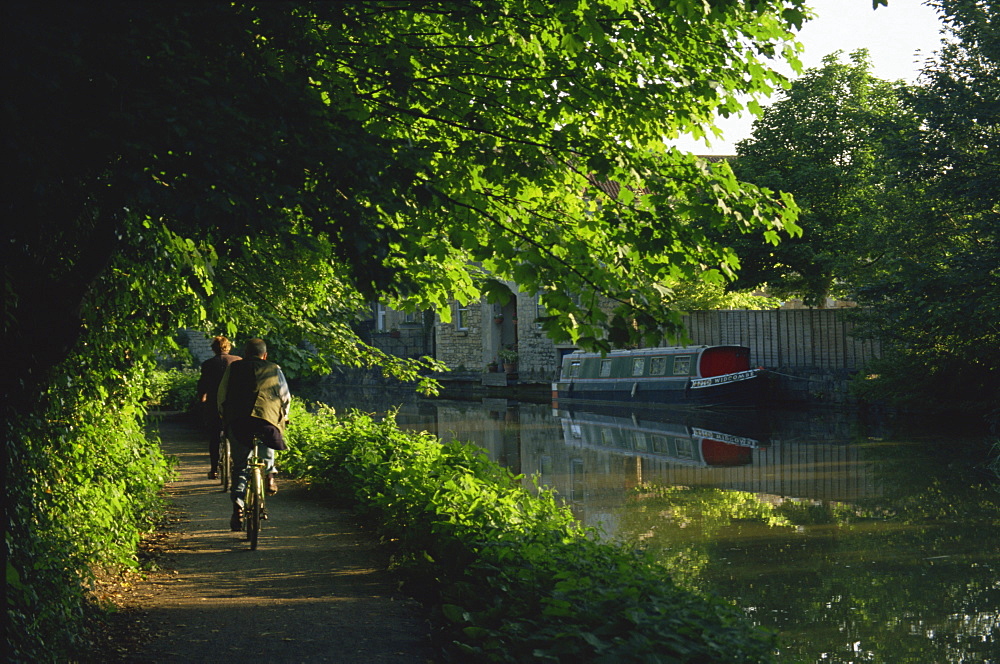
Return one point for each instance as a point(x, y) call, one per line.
point(745, 389)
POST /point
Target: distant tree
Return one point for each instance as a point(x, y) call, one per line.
point(707, 296)
point(935, 305)
point(824, 142)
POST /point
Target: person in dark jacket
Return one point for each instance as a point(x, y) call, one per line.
point(253, 400)
point(212, 371)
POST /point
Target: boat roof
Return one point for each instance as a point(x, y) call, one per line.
point(650, 351)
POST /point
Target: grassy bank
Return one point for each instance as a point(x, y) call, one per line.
point(510, 574)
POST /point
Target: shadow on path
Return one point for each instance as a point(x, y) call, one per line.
point(315, 590)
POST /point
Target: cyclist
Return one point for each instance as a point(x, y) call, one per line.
point(212, 371)
point(253, 401)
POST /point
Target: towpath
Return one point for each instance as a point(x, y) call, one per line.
point(315, 590)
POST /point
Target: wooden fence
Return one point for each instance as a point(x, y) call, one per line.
point(786, 338)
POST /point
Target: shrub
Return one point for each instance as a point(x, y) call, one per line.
point(512, 575)
point(172, 389)
point(83, 485)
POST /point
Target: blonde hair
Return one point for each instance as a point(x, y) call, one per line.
point(221, 345)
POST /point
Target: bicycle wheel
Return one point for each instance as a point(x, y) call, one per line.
point(225, 464)
point(255, 502)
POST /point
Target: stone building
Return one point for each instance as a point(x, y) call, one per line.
point(470, 344)
point(479, 331)
point(399, 333)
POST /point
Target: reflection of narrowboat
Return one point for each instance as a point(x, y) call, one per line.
point(681, 442)
point(700, 376)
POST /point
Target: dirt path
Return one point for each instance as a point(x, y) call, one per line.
point(316, 590)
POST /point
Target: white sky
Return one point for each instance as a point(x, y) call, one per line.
point(899, 38)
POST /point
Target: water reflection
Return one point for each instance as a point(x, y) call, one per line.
point(857, 543)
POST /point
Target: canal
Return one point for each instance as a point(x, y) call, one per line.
point(856, 541)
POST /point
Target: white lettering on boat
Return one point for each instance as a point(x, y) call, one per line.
point(727, 438)
point(720, 380)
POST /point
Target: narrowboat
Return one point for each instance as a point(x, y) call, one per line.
point(684, 376)
point(678, 441)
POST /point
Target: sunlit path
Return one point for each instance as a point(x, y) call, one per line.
point(315, 591)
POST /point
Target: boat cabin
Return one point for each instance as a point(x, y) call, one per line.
point(694, 375)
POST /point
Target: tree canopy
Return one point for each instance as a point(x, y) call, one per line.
point(933, 304)
point(198, 163)
point(898, 186)
point(262, 169)
point(824, 140)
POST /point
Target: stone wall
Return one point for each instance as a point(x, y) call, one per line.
point(409, 340)
point(538, 356)
point(462, 349)
point(200, 345)
point(491, 327)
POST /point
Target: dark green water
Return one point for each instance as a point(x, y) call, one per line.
point(857, 542)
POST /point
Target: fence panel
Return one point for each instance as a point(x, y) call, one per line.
point(799, 338)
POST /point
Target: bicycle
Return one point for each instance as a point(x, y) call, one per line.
point(253, 502)
point(225, 463)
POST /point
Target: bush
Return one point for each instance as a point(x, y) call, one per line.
point(172, 389)
point(512, 575)
point(83, 487)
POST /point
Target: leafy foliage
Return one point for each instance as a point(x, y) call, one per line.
point(824, 141)
point(515, 578)
point(933, 305)
point(172, 389)
point(898, 189)
point(707, 296)
point(86, 485)
point(259, 167)
point(264, 169)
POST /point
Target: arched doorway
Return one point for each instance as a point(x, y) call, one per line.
point(500, 329)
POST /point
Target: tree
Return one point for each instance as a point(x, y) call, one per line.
point(824, 142)
point(260, 169)
point(402, 142)
point(935, 305)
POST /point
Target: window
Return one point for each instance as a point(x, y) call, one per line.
point(605, 368)
point(574, 369)
point(682, 365)
point(379, 317)
point(545, 466)
point(638, 366)
point(411, 317)
point(462, 316)
point(639, 439)
point(539, 311)
point(658, 366)
point(685, 448)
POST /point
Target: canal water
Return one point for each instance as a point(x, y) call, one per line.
point(857, 541)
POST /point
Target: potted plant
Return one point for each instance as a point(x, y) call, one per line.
point(492, 367)
point(509, 358)
point(498, 319)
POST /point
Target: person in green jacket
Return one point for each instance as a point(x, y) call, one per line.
point(253, 400)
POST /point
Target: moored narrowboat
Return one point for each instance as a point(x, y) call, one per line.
point(689, 376)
